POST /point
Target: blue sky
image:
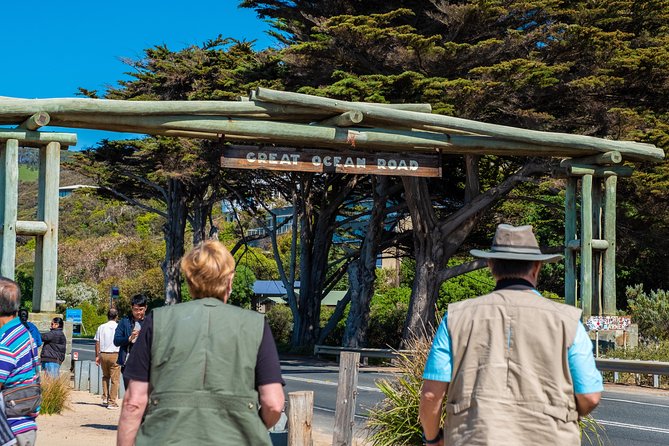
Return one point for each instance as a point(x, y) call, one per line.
point(52, 48)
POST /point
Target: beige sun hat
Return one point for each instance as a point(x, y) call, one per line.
point(515, 243)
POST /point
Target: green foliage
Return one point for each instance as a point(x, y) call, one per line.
point(465, 286)
point(262, 266)
point(91, 318)
point(650, 311)
point(387, 314)
point(280, 320)
point(25, 281)
point(148, 225)
point(55, 393)
point(336, 335)
point(28, 174)
point(242, 287)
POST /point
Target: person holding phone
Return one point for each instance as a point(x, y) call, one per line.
point(128, 330)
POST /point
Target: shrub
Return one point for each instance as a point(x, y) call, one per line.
point(280, 320)
point(394, 421)
point(242, 287)
point(55, 393)
point(90, 318)
point(77, 293)
point(650, 311)
point(336, 336)
point(387, 314)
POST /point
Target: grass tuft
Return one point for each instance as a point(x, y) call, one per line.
point(55, 394)
point(394, 421)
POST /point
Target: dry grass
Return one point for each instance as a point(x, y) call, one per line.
point(55, 394)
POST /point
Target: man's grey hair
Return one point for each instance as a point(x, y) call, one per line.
point(10, 297)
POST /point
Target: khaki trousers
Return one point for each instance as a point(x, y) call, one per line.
point(111, 371)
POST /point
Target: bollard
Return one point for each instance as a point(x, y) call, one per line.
point(347, 390)
point(300, 418)
point(95, 379)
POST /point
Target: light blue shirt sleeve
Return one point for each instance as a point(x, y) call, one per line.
point(584, 373)
point(439, 363)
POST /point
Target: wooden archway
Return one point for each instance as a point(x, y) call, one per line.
point(267, 117)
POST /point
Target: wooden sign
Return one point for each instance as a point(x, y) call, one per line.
point(319, 161)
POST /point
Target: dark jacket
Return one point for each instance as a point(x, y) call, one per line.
point(121, 338)
point(53, 349)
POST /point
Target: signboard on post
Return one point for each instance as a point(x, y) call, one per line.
point(73, 315)
point(320, 161)
point(596, 323)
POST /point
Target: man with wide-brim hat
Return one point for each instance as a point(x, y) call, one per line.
point(515, 367)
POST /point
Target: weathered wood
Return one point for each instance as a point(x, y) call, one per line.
point(347, 391)
point(596, 254)
point(609, 275)
point(39, 119)
point(570, 237)
point(418, 120)
point(613, 157)
point(13, 108)
point(600, 171)
point(31, 227)
point(586, 245)
point(597, 245)
point(300, 418)
point(46, 249)
point(312, 160)
point(346, 119)
point(38, 139)
point(308, 135)
point(9, 179)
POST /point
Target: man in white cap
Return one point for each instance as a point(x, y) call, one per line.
point(515, 368)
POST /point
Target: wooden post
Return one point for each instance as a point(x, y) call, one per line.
point(46, 249)
point(347, 391)
point(609, 273)
point(586, 245)
point(9, 181)
point(570, 235)
point(300, 417)
point(596, 255)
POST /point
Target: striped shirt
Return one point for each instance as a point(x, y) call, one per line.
point(18, 366)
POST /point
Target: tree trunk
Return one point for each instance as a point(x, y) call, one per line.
point(362, 277)
point(436, 241)
point(173, 230)
point(317, 227)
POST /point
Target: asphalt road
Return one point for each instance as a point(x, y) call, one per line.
point(630, 416)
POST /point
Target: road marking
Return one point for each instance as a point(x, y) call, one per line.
point(325, 409)
point(635, 402)
point(84, 349)
point(327, 383)
point(633, 426)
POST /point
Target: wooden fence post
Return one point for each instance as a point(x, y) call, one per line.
point(346, 396)
point(300, 417)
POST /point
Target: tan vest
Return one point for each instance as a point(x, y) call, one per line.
point(511, 383)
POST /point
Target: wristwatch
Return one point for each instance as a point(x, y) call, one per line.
point(436, 439)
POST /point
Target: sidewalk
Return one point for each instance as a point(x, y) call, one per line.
point(87, 422)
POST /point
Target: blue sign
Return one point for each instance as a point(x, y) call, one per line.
point(73, 314)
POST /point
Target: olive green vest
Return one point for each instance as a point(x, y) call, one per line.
point(511, 383)
point(203, 358)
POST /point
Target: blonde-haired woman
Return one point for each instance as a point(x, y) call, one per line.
point(209, 372)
